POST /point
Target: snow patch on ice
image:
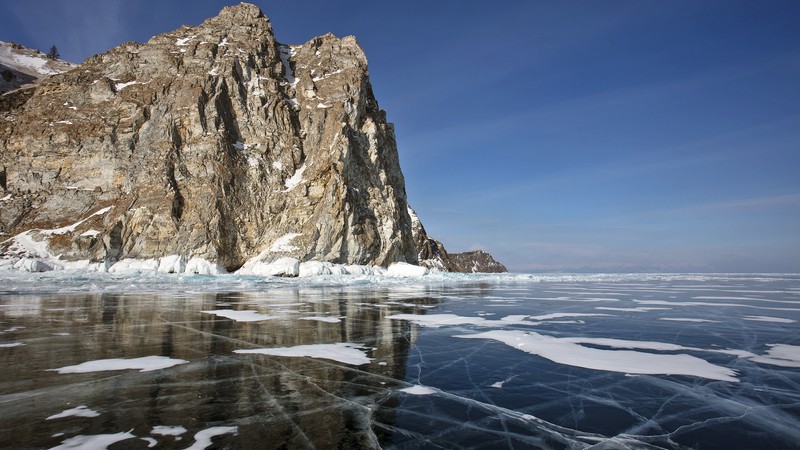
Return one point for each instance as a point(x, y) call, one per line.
point(93, 442)
point(768, 319)
point(327, 319)
point(242, 316)
point(568, 351)
point(687, 319)
point(638, 309)
point(343, 352)
point(441, 320)
point(164, 430)
point(202, 439)
point(563, 315)
point(418, 390)
point(143, 364)
point(80, 411)
point(783, 355)
point(12, 344)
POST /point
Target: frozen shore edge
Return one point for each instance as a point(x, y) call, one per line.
point(282, 267)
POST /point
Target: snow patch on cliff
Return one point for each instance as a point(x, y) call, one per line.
point(295, 179)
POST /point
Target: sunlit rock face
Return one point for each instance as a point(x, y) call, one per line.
point(212, 142)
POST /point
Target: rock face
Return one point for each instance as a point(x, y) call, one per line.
point(475, 261)
point(212, 142)
point(433, 255)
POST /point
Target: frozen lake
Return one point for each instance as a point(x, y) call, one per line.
point(441, 361)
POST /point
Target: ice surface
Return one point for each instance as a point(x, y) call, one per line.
point(143, 364)
point(341, 351)
point(348, 352)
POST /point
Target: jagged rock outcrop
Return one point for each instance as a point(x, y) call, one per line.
point(474, 262)
point(433, 255)
point(212, 142)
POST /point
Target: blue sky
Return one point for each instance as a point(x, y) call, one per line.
point(559, 135)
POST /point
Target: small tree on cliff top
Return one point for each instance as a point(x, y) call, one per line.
point(53, 53)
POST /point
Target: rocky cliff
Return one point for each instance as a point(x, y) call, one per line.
point(213, 142)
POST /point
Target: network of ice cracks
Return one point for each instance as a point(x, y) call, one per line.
point(531, 334)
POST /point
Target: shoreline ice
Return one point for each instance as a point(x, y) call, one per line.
point(155, 276)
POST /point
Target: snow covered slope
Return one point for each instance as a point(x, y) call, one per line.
point(20, 66)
